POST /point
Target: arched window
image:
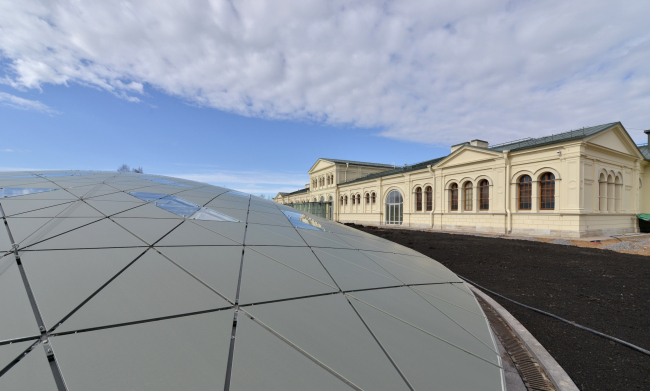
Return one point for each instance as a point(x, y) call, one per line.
point(602, 193)
point(618, 192)
point(453, 196)
point(353, 199)
point(610, 193)
point(428, 192)
point(341, 200)
point(367, 198)
point(468, 192)
point(394, 203)
point(374, 197)
point(525, 190)
point(346, 200)
point(547, 191)
point(322, 199)
point(484, 195)
point(358, 199)
point(418, 199)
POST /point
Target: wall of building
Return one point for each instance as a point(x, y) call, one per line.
point(580, 208)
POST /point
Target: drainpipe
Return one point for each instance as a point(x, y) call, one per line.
point(508, 214)
point(346, 171)
point(433, 204)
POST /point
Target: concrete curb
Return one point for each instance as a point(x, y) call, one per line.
point(557, 375)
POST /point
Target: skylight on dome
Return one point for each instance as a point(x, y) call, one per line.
point(164, 181)
point(147, 196)
point(300, 220)
point(213, 215)
point(18, 191)
point(177, 205)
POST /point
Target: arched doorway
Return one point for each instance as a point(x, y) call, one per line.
point(394, 203)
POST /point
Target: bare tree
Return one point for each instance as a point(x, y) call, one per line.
point(138, 170)
point(124, 168)
point(263, 196)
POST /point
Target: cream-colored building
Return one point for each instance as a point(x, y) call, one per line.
point(587, 182)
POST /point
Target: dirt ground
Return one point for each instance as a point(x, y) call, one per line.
point(605, 290)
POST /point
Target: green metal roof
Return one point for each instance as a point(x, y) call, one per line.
point(339, 161)
point(552, 139)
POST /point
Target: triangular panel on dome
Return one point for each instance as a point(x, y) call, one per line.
point(414, 270)
point(31, 373)
point(27, 231)
point(17, 320)
point(110, 208)
point(149, 230)
point(455, 327)
point(16, 206)
point(100, 190)
point(185, 353)
point(217, 267)
point(277, 365)
point(152, 287)
point(81, 190)
point(264, 235)
point(372, 244)
point(328, 329)
point(101, 234)
point(352, 270)
point(255, 217)
point(322, 239)
point(62, 280)
point(190, 234)
point(450, 294)
point(10, 352)
point(219, 203)
point(422, 357)
point(231, 230)
point(299, 258)
point(116, 197)
point(73, 209)
point(264, 279)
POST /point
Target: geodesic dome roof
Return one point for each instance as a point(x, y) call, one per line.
point(136, 282)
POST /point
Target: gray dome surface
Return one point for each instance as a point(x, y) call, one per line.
point(138, 282)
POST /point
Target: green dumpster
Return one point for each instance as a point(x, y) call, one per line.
point(644, 222)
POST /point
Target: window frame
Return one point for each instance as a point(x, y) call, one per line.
point(528, 186)
point(418, 199)
point(453, 197)
point(547, 191)
point(483, 195)
point(468, 201)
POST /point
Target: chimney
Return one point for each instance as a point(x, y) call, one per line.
point(648, 133)
point(479, 143)
point(455, 147)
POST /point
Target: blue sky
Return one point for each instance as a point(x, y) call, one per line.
point(249, 94)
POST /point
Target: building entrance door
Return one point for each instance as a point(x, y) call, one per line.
point(394, 203)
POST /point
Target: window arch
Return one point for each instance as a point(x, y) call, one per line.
point(418, 199)
point(484, 195)
point(341, 200)
point(547, 191)
point(468, 192)
point(611, 200)
point(374, 197)
point(367, 198)
point(353, 199)
point(525, 192)
point(453, 196)
point(618, 192)
point(602, 192)
point(346, 200)
point(394, 203)
point(358, 199)
point(428, 191)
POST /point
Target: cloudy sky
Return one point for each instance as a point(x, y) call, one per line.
point(249, 94)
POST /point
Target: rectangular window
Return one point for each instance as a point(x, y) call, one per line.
point(454, 199)
point(525, 196)
point(547, 195)
point(484, 198)
point(418, 201)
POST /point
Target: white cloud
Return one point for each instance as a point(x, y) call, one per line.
point(437, 72)
point(24, 104)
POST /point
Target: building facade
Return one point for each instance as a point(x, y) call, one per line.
point(587, 182)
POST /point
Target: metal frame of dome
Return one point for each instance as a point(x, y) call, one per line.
point(200, 287)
